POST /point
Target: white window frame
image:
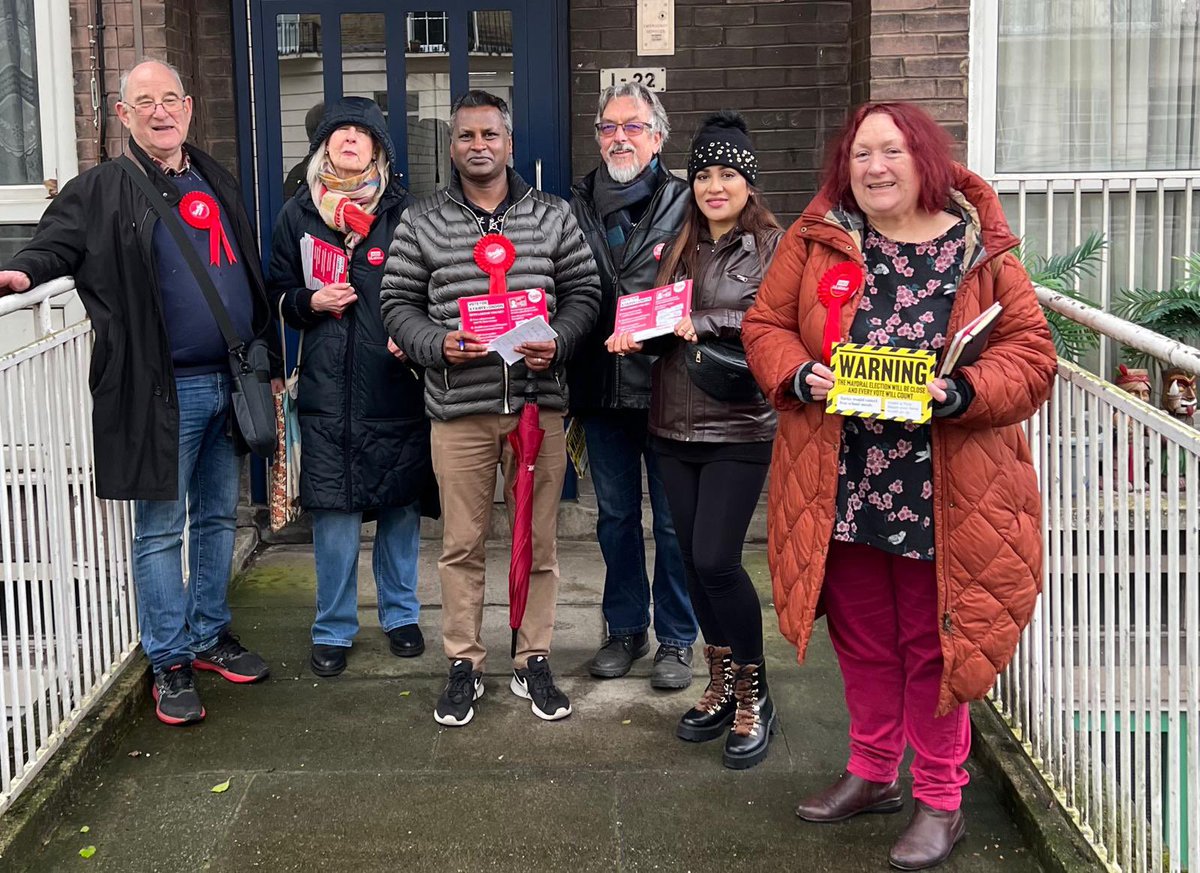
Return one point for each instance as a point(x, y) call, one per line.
point(24, 204)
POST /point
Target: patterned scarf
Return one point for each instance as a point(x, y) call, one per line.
point(347, 204)
point(615, 201)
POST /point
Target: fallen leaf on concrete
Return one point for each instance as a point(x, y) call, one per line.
point(627, 721)
point(135, 753)
point(87, 852)
point(84, 829)
point(222, 788)
point(405, 693)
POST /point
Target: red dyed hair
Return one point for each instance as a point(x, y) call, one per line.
point(927, 142)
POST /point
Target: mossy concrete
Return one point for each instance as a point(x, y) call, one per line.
point(352, 774)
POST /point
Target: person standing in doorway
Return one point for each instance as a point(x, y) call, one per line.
point(629, 209)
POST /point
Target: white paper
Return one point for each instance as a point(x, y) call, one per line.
point(535, 330)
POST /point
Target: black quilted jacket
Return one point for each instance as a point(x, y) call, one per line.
point(431, 265)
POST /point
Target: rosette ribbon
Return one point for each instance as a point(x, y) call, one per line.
point(495, 254)
point(834, 290)
point(201, 211)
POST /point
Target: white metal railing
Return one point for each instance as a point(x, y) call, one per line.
point(1148, 219)
point(1104, 688)
point(68, 621)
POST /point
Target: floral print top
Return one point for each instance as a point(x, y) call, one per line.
point(885, 481)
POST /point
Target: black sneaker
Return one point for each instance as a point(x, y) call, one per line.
point(175, 699)
point(536, 683)
point(231, 660)
point(456, 706)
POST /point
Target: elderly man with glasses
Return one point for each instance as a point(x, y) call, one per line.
point(629, 209)
point(160, 378)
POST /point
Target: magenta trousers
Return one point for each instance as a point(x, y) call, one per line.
point(881, 610)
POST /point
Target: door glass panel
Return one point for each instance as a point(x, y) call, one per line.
point(364, 58)
point(20, 122)
point(301, 85)
point(427, 100)
point(489, 44)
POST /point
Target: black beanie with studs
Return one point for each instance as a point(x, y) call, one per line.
point(723, 139)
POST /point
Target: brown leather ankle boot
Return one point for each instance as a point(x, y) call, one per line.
point(929, 839)
point(850, 796)
point(709, 718)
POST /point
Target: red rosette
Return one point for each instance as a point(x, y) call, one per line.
point(201, 211)
point(495, 255)
point(834, 289)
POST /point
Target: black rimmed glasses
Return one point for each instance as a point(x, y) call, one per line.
point(631, 128)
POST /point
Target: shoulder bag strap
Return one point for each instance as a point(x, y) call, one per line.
point(203, 279)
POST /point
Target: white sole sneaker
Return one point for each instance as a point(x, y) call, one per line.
point(451, 721)
point(519, 688)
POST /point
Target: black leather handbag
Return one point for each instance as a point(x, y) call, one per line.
point(718, 368)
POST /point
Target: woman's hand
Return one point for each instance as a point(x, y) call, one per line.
point(333, 298)
point(937, 389)
point(622, 344)
point(685, 330)
point(819, 381)
point(397, 352)
point(461, 346)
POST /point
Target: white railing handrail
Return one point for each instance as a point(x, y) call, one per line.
point(10, 303)
point(1127, 333)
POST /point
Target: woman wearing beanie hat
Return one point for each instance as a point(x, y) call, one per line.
point(713, 436)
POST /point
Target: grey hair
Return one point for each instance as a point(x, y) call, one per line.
point(476, 99)
point(174, 72)
point(658, 116)
point(317, 163)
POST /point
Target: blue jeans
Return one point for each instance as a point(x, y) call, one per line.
point(617, 443)
point(178, 621)
point(394, 560)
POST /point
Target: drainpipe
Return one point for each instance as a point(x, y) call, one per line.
point(99, 96)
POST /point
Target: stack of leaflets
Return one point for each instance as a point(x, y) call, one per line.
point(324, 263)
point(964, 349)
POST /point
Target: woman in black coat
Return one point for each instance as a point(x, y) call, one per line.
point(363, 428)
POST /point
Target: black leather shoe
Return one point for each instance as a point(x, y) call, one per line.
point(327, 661)
point(754, 721)
point(617, 655)
point(712, 716)
point(929, 839)
point(672, 668)
point(850, 796)
point(406, 641)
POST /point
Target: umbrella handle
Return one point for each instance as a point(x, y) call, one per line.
point(514, 644)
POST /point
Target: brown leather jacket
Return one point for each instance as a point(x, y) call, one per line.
point(721, 294)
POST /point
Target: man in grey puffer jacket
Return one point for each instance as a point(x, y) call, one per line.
point(474, 398)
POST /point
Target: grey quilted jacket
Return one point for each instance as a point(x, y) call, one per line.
point(431, 265)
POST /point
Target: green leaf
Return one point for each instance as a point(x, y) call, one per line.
point(87, 852)
point(627, 721)
point(84, 829)
point(405, 693)
point(222, 788)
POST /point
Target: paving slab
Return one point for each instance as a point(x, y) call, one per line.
point(352, 774)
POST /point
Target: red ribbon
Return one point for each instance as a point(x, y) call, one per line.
point(495, 255)
point(201, 211)
point(834, 290)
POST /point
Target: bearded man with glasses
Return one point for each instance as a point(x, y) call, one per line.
point(629, 209)
point(164, 434)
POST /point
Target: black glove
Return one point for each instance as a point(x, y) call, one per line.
point(959, 395)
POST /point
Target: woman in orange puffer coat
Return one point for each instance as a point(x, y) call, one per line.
point(921, 543)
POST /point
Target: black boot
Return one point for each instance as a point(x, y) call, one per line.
point(711, 717)
point(754, 721)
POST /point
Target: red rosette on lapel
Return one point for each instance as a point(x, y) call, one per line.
point(201, 211)
point(495, 254)
point(834, 290)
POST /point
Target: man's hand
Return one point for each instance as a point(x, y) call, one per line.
point(819, 381)
point(334, 298)
point(538, 356)
point(685, 330)
point(396, 351)
point(461, 346)
point(622, 344)
point(13, 282)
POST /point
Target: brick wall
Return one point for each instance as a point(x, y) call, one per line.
point(193, 35)
point(785, 65)
point(915, 50)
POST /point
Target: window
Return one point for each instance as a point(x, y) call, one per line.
point(1103, 86)
point(427, 32)
point(37, 103)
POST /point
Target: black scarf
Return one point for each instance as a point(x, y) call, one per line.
point(615, 203)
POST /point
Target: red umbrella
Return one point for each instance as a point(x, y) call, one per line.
point(495, 254)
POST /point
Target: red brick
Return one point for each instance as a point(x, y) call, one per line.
point(904, 45)
point(936, 22)
point(935, 65)
point(903, 89)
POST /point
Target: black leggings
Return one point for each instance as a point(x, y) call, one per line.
point(711, 505)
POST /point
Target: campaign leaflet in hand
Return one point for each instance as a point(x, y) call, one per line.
point(490, 315)
point(655, 312)
point(324, 263)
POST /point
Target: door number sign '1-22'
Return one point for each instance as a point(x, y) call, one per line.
point(654, 78)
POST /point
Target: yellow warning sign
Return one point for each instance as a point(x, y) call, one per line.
point(881, 382)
